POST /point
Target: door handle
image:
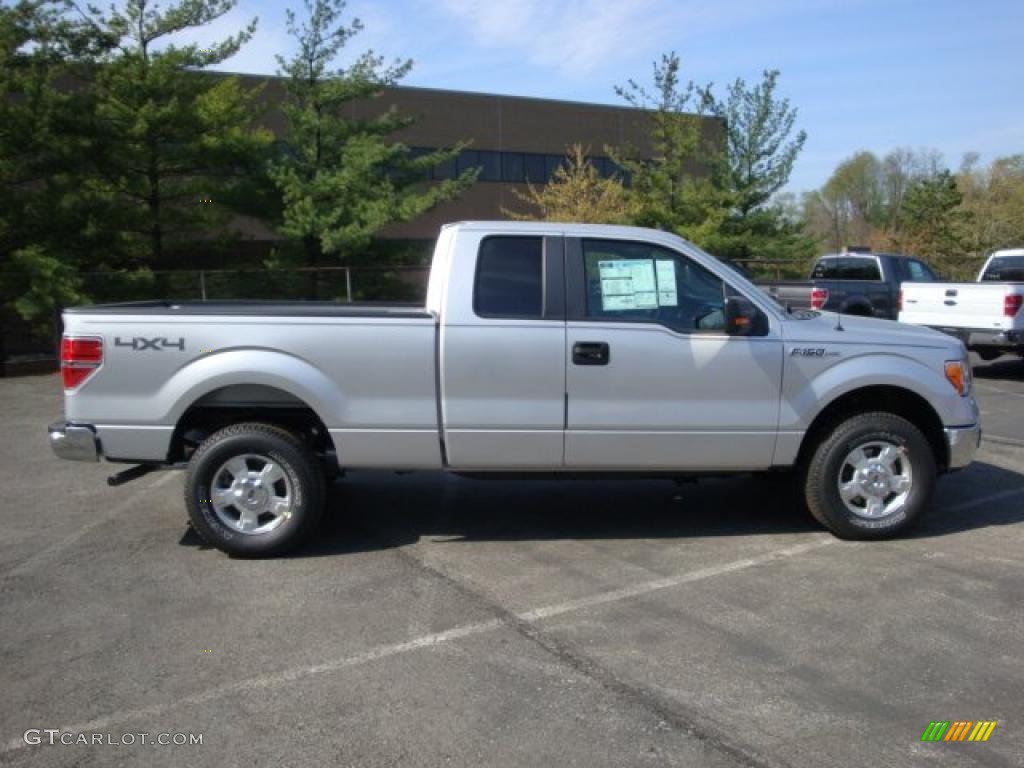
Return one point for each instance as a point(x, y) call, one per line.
point(590, 353)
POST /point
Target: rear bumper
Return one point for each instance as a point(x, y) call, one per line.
point(1001, 339)
point(963, 443)
point(76, 442)
point(984, 337)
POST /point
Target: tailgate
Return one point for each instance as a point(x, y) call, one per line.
point(974, 306)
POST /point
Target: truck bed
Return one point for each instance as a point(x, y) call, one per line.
point(250, 308)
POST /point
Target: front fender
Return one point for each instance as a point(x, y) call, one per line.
point(808, 391)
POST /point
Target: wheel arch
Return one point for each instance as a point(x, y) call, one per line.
point(884, 398)
point(250, 384)
point(858, 306)
point(239, 403)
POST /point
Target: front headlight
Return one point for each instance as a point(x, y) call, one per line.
point(958, 373)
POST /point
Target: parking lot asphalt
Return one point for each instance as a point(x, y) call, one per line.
point(446, 621)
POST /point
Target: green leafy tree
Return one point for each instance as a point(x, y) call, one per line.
point(760, 150)
point(43, 220)
point(577, 192)
point(172, 143)
point(760, 144)
point(932, 222)
point(679, 186)
point(342, 176)
point(850, 208)
point(994, 202)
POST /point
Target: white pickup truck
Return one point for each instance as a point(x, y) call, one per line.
point(985, 315)
point(549, 349)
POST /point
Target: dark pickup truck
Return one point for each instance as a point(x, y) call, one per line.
point(853, 283)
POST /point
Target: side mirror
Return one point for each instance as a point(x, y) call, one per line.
point(743, 318)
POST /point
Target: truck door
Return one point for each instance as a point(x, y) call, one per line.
point(502, 353)
point(654, 382)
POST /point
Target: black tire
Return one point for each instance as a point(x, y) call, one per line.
point(829, 460)
point(301, 483)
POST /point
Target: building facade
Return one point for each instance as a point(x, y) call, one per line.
point(512, 140)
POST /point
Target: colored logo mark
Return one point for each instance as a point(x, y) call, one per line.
point(958, 730)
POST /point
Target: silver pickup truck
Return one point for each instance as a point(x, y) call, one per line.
point(541, 349)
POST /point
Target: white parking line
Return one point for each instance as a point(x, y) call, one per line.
point(466, 630)
point(674, 581)
point(425, 641)
point(44, 555)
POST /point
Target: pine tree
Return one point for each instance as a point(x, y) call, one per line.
point(42, 220)
point(342, 177)
point(172, 142)
point(680, 186)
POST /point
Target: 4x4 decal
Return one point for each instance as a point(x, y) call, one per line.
point(158, 343)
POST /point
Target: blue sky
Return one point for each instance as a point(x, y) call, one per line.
point(865, 74)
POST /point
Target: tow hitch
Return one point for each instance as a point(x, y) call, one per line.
point(133, 473)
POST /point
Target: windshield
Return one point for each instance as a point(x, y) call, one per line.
point(1005, 269)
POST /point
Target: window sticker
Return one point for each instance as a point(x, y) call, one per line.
point(628, 284)
point(666, 272)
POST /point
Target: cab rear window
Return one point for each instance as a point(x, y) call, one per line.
point(846, 269)
point(509, 278)
point(1005, 269)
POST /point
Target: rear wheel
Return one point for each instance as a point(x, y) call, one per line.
point(871, 478)
point(254, 490)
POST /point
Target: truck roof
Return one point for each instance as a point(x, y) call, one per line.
point(557, 227)
point(864, 255)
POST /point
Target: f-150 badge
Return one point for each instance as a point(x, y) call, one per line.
point(157, 344)
point(811, 352)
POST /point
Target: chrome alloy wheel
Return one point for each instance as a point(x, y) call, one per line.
point(875, 479)
point(252, 494)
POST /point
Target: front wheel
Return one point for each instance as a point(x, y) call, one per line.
point(254, 490)
point(871, 478)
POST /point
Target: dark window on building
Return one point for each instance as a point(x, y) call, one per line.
point(445, 170)
point(415, 153)
point(490, 165)
point(846, 269)
point(509, 278)
point(512, 167)
point(551, 164)
point(468, 159)
point(515, 167)
point(616, 170)
point(535, 171)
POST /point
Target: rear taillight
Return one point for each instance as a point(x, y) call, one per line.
point(79, 359)
point(819, 296)
point(1011, 305)
point(899, 301)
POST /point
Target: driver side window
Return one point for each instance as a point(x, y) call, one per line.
point(638, 282)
